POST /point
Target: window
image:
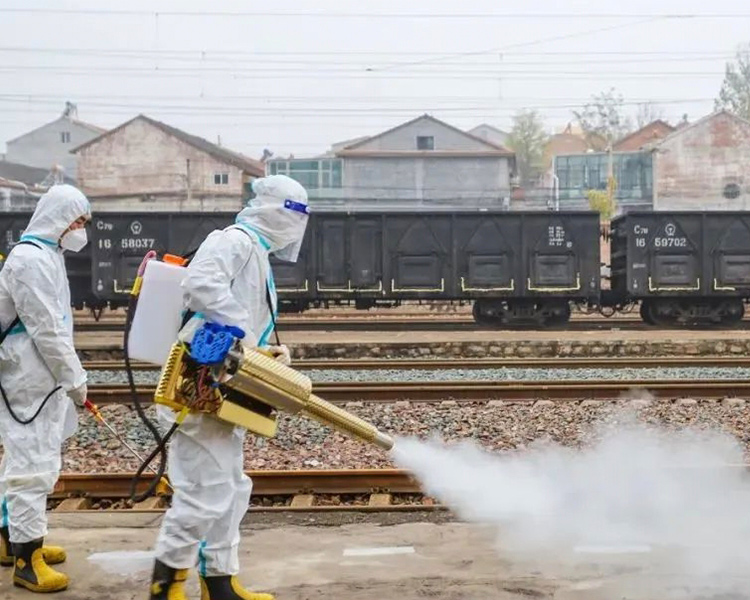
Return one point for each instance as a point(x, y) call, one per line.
point(425, 142)
point(732, 191)
point(313, 174)
point(221, 178)
point(632, 172)
point(65, 137)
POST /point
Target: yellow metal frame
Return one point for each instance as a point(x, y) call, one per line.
point(509, 288)
point(577, 287)
point(116, 288)
point(417, 290)
point(304, 289)
point(697, 286)
point(349, 289)
point(723, 288)
point(375, 289)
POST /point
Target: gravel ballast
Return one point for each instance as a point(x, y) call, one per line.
point(503, 374)
point(303, 444)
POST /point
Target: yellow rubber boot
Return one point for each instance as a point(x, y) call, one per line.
point(168, 583)
point(53, 555)
point(227, 587)
point(33, 573)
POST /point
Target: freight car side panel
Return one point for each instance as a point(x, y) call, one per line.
point(729, 254)
point(562, 250)
point(348, 255)
point(121, 240)
point(11, 228)
point(704, 254)
point(78, 265)
point(487, 255)
point(418, 250)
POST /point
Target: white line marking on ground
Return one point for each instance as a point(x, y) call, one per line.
point(382, 551)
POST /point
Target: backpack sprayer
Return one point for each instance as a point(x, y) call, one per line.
point(215, 374)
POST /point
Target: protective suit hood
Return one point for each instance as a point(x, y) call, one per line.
point(55, 211)
point(279, 213)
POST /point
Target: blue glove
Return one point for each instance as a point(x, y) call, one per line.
point(212, 342)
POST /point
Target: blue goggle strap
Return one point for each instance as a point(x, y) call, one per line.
point(297, 207)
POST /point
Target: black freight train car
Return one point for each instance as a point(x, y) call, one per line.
point(685, 268)
point(518, 267)
point(78, 265)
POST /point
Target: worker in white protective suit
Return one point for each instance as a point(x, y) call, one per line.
point(40, 374)
point(228, 282)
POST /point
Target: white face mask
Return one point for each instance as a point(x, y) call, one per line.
point(74, 240)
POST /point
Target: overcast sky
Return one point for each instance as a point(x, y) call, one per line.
point(295, 76)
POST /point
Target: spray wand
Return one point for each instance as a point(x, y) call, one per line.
point(94, 410)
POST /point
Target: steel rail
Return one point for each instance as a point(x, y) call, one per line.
point(606, 362)
point(463, 391)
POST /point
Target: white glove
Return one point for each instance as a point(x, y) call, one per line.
point(79, 394)
point(281, 354)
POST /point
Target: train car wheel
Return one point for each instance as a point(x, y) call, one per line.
point(646, 313)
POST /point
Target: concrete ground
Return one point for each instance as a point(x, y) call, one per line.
point(373, 560)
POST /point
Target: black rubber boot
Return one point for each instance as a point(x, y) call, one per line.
point(227, 587)
point(32, 572)
point(53, 555)
point(168, 583)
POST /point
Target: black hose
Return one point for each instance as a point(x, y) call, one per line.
point(160, 443)
point(160, 449)
point(16, 418)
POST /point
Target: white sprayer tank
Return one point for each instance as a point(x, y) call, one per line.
point(158, 315)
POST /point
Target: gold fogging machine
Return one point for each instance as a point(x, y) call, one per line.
point(255, 389)
point(247, 387)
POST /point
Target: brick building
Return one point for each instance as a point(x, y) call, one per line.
point(646, 135)
point(145, 164)
point(704, 165)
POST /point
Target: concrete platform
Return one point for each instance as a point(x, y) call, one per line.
point(370, 561)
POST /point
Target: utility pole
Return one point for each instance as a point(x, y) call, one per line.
point(611, 183)
point(187, 180)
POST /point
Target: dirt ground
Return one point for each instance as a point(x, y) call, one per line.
point(373, 560)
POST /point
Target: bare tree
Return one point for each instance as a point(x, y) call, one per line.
point(603, 120)
point(648, 112)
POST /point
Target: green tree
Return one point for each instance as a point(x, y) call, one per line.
point(527, 138)
point(600, 201)
point(734, 95)
point(603, 120)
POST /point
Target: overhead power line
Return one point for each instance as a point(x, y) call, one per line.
point(332, 74)
point(204, 59)
point(365, 15)
point(544, 40)
point(427, 105)
point(585, 54)
point(140, 99)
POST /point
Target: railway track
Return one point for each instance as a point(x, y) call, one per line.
point(483, 363)
point(349, 490)
point(482, 391)
point(307, 490)
point(421, 322)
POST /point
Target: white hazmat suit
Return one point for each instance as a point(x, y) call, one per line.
point(227, 283)
point(37, 356)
